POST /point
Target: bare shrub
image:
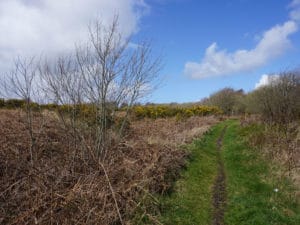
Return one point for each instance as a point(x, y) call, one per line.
point(20, 82)
point(279, 102)
point(104, 74)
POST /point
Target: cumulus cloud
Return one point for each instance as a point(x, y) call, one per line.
point(266, 80)
point(31, 27)
point(273, 43)
point(220, 62)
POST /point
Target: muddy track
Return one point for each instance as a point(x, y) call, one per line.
point(219, 188)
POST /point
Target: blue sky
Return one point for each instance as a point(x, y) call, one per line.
point(184, 29)
point(206, 44)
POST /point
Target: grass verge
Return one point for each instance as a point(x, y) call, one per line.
point(256, 195)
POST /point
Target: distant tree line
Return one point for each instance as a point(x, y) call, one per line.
point(230, 101)
point(277, 102)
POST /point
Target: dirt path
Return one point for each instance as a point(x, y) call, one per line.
point(219, 188)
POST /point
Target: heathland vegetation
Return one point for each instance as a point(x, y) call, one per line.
point(76, 147)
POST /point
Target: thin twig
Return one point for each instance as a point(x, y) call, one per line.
point(112, 192)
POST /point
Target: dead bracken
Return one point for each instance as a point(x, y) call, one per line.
point(66, 185)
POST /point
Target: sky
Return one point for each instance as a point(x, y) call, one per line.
point(206, 44)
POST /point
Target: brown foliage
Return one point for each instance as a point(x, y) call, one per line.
point(66, 184)
point(277, 144)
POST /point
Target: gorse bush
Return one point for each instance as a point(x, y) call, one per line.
point(17, 103)
point(164, 111)
point(14, 103)
point(2, 102)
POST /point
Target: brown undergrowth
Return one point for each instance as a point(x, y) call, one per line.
point(67, 185)
point(280, 143)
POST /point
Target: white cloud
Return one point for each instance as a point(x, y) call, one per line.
point(273, 43)
point(295, 3)
point(266, 80)
point(220, 62)
point(295, 10)
point(31, 27)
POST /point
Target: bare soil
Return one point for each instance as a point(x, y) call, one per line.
point(219, 188)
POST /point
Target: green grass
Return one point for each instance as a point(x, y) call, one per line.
point(251, 182)
point(190, 203)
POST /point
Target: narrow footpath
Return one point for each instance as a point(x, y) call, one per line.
point(199, 194)
point(219, 188)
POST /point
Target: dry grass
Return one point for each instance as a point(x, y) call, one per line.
point(170, 131)
point(281, 144)
point(67, 185)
